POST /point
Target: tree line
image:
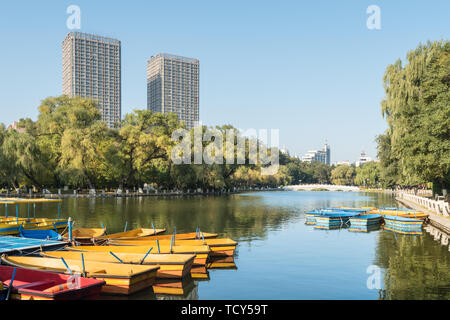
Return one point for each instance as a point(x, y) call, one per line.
point(69, 145)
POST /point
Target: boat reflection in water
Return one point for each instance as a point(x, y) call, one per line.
point(222, 263)
point(411, 232)
point(174, 287)
point(364, 228)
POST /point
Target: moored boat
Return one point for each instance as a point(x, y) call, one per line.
point(404, 224)
point(406, 213)
point(201, 252)
point(41, 285)
point(365, 220)
point(170, 265)
point(333, 221)
point(178, 236)
point(120, 278)
point(219, 247)
point(87, 235)
point(132, 234)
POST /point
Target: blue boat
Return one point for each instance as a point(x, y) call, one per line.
point(310, 216)
point(39, 234)
point(366, 220)
point(403, 224)
point(333, 221)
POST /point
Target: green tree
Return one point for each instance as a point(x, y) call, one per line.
point(368, 174)
point(343, 175)
point(417, 109)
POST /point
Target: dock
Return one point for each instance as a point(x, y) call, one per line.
point(440, 221)
point(19, 245)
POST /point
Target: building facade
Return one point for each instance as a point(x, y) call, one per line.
point(363, 158)
point(92, 69)
point(173, 86)
point(323, 155)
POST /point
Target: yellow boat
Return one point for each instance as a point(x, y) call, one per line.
point(407, 214)
point(132, 234)
point(201, 252)
point(219, 247)
point(170, 265)
point(178, 236)
point(120, 278)
point(86, 235)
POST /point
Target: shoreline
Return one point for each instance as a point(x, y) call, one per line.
point(134, 194)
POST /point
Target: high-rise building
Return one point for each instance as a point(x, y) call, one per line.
point(323, 156)
point(173, 86)
point(92, 69)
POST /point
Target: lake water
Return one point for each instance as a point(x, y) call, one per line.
point(278, 256)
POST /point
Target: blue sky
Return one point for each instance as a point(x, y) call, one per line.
point(311, 69)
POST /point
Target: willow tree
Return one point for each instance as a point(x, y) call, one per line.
point(417, 109)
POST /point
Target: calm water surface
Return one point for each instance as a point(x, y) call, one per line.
point(278, 256)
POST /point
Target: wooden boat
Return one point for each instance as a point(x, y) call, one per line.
point(42, 285)
point(365, 220)
point(87, 235)
point(120, 278)
point(219, 247)
point(170, 265)
point(39, 234)
point(132, 234)
point(201, 252)
point(179, 236)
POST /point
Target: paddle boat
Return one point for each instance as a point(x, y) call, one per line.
point(41, 285)
point(122, 279)
point(170, 265)
point(201, 252)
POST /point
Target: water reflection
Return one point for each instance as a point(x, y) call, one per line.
point(415, 267)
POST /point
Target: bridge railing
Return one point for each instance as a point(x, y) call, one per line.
point(439, 207)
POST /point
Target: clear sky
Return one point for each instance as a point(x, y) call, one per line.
point(311, 69)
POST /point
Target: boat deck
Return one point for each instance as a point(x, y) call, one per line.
point(10, 244)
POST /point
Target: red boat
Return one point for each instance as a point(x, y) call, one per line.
point(42, 285)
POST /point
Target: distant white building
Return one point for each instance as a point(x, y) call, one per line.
point(323, 156)
point(363, 158)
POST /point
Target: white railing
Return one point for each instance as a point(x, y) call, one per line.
point(439, 207)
